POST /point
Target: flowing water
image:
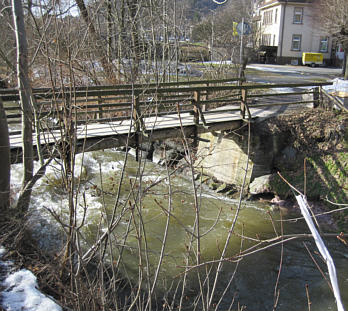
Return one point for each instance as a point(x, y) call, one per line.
point(141, 214)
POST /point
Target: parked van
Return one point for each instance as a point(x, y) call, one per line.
point(312, 59)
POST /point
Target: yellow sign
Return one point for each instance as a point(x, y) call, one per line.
point(235, 33)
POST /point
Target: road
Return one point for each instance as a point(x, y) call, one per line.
point(266, 73)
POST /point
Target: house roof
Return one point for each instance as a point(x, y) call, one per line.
point(265, 3)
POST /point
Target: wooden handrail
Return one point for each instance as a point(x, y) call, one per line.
point(14, 91)
point(337, 101)
point(115, 104)
point(161, 90)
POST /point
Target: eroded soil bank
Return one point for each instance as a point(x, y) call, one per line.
point(315, 159)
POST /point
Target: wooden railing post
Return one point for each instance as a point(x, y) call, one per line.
point(100, 108)
point(321, 98)
point(155, 101)
point(243, 101)
point(197, 108)
point(196, 105)
point(206, 97)
point(316, 97)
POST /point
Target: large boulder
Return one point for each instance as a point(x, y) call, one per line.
point(261, 184)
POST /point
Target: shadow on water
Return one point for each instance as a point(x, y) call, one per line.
point(255, 284)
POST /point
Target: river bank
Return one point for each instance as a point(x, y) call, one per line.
point(308, 149)
point(314, 160)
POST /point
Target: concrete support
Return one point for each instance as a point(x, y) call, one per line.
point(224, 156)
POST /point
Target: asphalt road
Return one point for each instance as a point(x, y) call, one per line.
point(262, 73)
point(290, 74)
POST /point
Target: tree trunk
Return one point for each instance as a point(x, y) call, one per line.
point(109, 30)
point(25, 98)
point(345, 66)
point(5, 161)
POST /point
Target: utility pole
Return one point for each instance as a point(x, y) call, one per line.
point(212, 37)
point(241, 44)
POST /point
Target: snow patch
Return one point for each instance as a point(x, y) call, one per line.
point(340, 87)
point(2, 251)
point(222, 62)
point(282, 89)
point(21, 294)
point(306, 87)
point(271, 69)
point(21, 290)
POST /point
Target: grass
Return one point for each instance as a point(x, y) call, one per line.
point(326, 178)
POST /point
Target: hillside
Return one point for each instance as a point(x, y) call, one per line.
point(198, 8)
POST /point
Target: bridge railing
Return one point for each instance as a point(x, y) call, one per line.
point(117, 103)
point(106, 103)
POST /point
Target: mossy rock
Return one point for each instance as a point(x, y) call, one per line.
point(232, 192)
point(213, 185)
point(222, 188)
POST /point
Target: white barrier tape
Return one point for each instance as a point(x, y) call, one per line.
point(302, 202)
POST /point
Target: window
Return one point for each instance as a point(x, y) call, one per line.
point(298, 15)
point(266, 39)
point(276, 16)
point(296, 43)
point(324, 44)
point(267, 17)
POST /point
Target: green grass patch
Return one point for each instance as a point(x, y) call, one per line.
point(325, 176)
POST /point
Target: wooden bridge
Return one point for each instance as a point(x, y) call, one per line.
point(102, 117)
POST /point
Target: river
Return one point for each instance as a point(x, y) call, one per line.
point(279, 273)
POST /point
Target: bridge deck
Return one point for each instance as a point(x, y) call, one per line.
point(105, 110)
point(216, 120)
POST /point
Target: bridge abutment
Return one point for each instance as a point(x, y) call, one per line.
point(225, 156)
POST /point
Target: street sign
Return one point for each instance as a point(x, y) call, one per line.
point(234, 25)
point(243, 28)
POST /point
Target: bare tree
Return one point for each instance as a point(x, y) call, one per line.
point(133, 8)
point(332, 16)
point(7, 42)
point(26, 104)
point(5, 160)
point(99, 50)
point(217, 29)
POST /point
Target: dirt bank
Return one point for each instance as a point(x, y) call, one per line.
point(315, 158)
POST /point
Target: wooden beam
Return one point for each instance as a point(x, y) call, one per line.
point(150, 90)
point(243, 102)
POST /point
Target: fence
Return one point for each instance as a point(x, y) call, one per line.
point(114, 103)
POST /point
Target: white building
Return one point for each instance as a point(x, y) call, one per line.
point(287, 29)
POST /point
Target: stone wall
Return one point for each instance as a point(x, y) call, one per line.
point(224, 157)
